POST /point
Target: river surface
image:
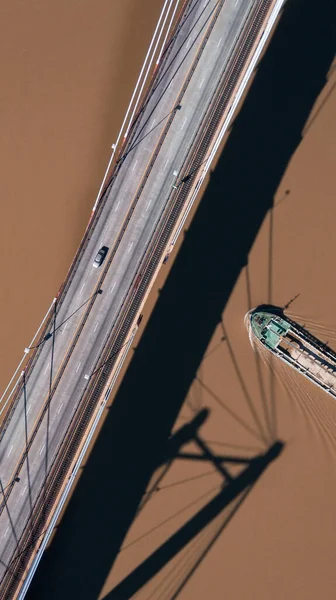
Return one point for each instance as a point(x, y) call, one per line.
point(262, 232)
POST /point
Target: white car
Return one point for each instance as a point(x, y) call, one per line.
point(100, 257)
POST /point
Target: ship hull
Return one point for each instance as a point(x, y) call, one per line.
point(295, 346)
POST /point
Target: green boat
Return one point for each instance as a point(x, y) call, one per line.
point(294, 345)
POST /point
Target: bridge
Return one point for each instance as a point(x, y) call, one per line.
point(157, 166)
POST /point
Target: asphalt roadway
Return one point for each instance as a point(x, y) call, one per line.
point(122, 270)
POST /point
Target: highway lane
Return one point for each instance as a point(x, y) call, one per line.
point(119, 276)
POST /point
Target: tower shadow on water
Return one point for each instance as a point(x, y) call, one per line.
point(233, 488)
point(264, 136)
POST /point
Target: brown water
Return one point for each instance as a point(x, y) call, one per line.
point(195, 352)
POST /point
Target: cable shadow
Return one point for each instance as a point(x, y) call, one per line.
point(117, 474)
point(27, 454)
point(273, 411)
point(170, 518)
point(168, 67)
point(210, 544)
point(148, 495)
point(270, 255)
point(280, 200)
point(121, 157)
point(270, 411)
point(248, 288)
point(46, 456)
point(269, 414)
point(142, 574)
point(254, 432)
point(233, 446)
point(318, 110)
point(246, 393)
point(10, 519)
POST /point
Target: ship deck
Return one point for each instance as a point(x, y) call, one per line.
point(297, 347)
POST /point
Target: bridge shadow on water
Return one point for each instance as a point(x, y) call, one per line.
point(215, 249)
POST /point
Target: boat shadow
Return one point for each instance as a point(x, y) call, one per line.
point(264, 136)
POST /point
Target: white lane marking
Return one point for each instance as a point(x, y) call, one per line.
point(59, 408)
point(116, 208)
point(64, 328)
point(10, 451)
point(148, 205)
point(188, 43)
point(236, 2)
point(24, 489)
point(112, 288)
point(135, 164)
point(184, 122)
point(82, 288)
point(201, 83)
point(4, 535)
point(166, 164)
point(29, 409)
point(78, 366)
point(130, 247)
point(96, 325)
point(47, 367)
point(219, 42)
point(153, 123)
point(42, 449)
